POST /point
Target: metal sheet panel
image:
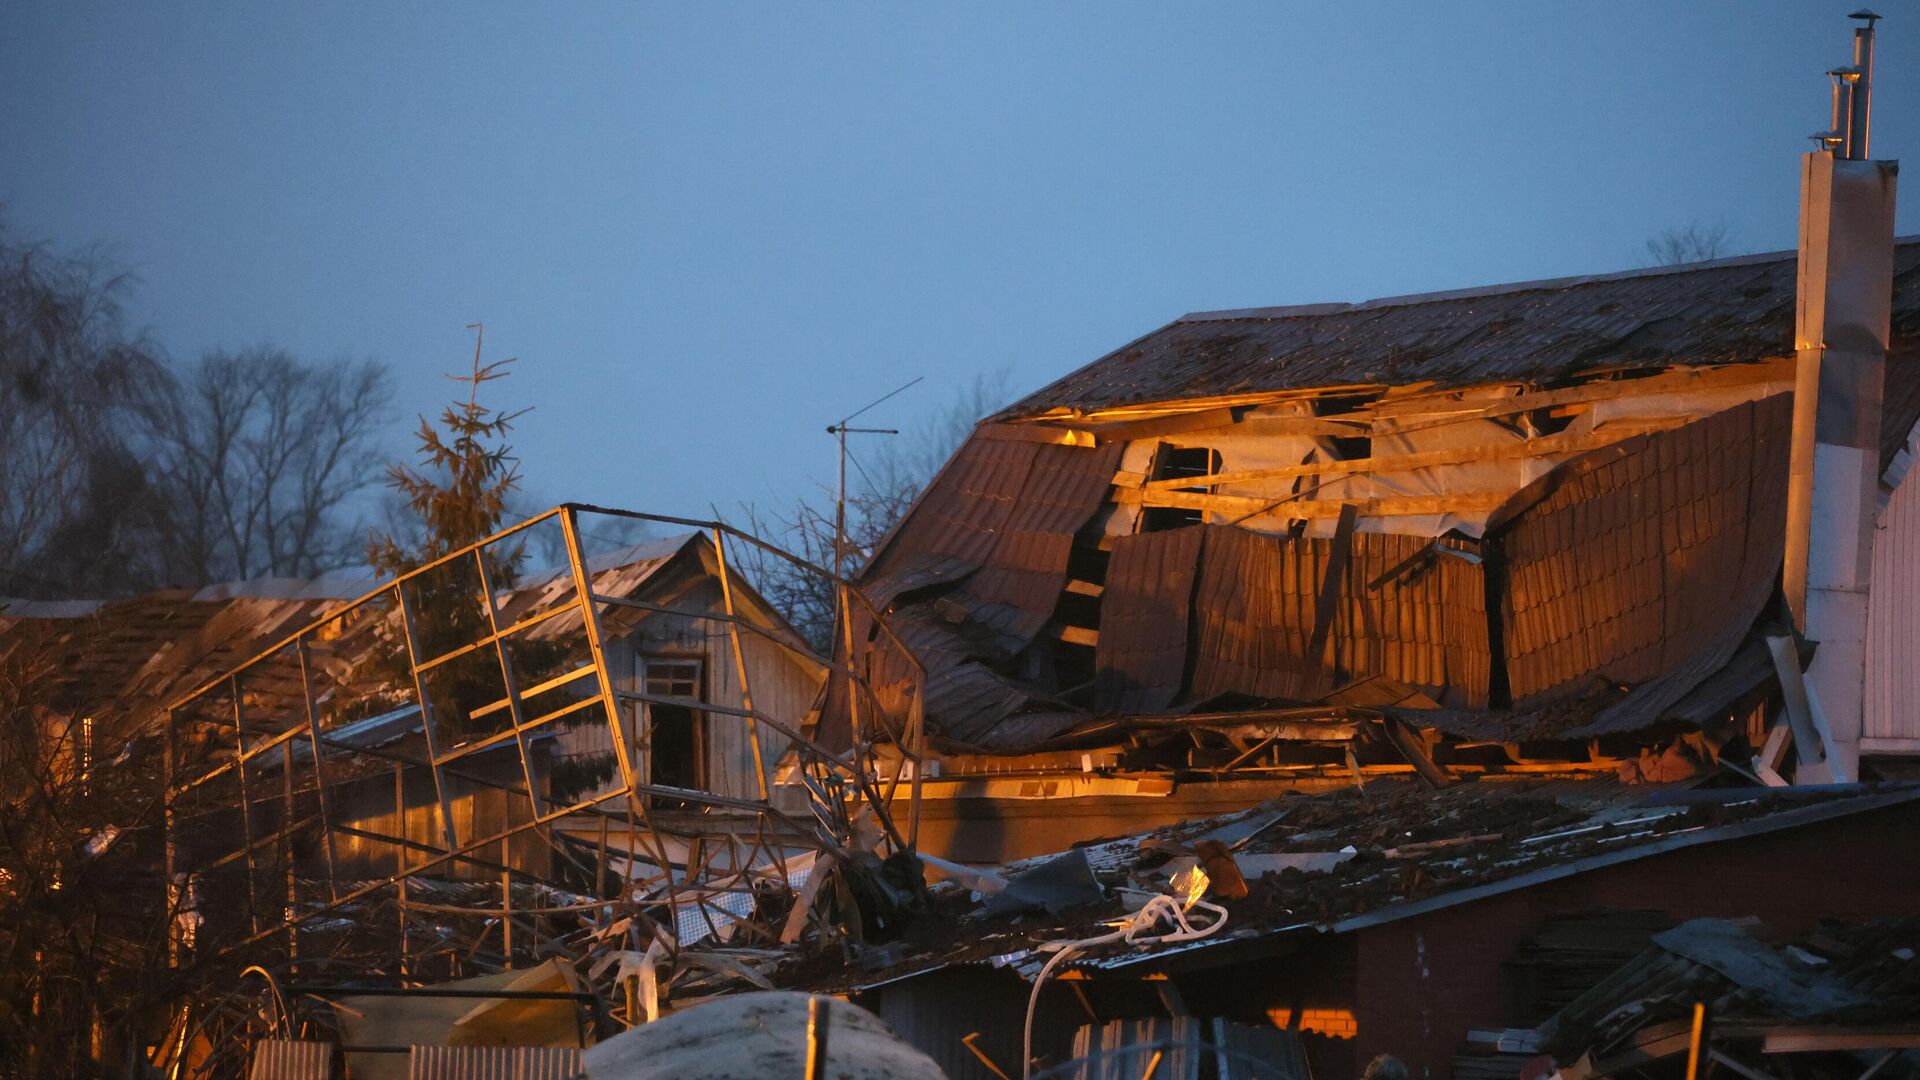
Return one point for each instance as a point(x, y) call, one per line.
point(493, 1063)
point(1647, 553)
point(1021, 580)
point(962, 513)
point(1733, 310)
point(1141, 658)
point(1424, 626)
point(288, 1059)
point(1253, 615)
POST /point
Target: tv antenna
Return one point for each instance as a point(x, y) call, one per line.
point(840, 431)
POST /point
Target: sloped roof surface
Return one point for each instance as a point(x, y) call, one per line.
point(1651, 551)
point(1724, 311)
point(146, 651)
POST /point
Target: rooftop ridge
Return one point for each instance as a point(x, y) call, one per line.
point(1295, 311)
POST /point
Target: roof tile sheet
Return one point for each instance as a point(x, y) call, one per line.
point(1740, 309)
point(1651, 557)
point(1027, 567)
point(1142, 655)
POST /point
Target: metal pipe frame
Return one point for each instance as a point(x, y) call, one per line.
point(759, 841)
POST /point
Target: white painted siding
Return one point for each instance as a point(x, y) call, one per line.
point(1893, 622)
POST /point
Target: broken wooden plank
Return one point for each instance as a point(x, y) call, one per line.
point(1520, 449)
point(803, 903)
point(1074, 635)
point(1807, 742)
point(1175, 424)
point(1311, 509)
point(1773, 754)
point(1085, 588)
point(1044, 433)
point(1679, 380)
point(1414, 749)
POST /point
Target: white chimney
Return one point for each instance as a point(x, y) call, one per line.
point(1840, 338)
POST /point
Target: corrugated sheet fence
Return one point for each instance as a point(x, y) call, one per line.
point(492, 1063)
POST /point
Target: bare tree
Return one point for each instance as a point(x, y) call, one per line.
point(260, 459)
point(74, 383)
point(83, 911)
point(1693, 243)
point(884, 479)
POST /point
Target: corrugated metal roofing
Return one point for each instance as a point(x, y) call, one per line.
point(1022, 577)
point(1648, 564)
point(1141, 657)
point(1731, 310)
point(962, 513)
point(493, 1063)
point(288, 1059)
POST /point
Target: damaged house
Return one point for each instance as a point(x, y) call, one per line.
point(1493, 678)
point(1533, 527)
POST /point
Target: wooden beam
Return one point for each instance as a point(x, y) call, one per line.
point(1712, 378)
point(1314, 509)
point(1085, 588)
point(1518, 449)
point(1766, 764)
point(1414, 749)
point(1677, 380)
point(1158, 426)
point(1307, 426)
point(1074, 635)
point(1048, 434)
point(1818, 1038)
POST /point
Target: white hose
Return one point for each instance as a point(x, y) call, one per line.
point(1131, 931)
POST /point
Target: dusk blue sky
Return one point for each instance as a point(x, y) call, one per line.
point(707, 230)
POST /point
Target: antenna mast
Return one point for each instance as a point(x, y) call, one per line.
point(840, 432)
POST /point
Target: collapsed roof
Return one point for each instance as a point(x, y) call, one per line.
point(1607, 584)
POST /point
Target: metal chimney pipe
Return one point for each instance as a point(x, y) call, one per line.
point(1841, 325)
point(1860, 98)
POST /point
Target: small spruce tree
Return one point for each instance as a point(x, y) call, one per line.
point(459, 495)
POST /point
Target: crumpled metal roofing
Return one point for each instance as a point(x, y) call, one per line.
point(1141, 657)
point(1728, 310)
point(996, 530)
point(1649, 562)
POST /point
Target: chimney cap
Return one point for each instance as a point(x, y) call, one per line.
point(1869, 16)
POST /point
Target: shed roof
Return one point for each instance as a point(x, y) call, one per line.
point(128, 656)
point(1723, 311)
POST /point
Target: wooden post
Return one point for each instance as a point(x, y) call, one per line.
point(506, 909)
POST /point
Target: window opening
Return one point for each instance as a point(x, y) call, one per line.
point(675, 733)
point(1173, 462)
